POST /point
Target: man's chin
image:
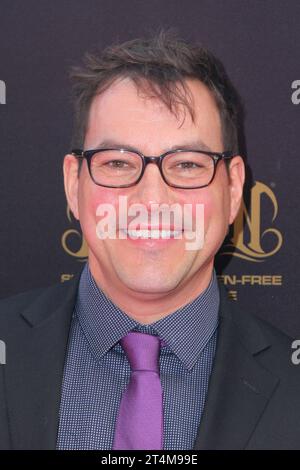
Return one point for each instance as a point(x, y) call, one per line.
point(141, 285)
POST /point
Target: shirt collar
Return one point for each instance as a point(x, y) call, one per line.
point(186, 331)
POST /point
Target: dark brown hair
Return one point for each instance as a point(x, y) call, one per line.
point(158, 66)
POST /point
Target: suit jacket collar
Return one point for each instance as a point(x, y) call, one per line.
point(239, 387)
point(34, 369)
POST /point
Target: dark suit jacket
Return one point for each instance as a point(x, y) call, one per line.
point(253, 398)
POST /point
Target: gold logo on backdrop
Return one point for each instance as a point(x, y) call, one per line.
point(250, 222)
point(71, 235)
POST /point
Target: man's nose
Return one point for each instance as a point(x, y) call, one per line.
point(152, 188)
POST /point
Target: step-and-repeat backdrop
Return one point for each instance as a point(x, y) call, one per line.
point(259, 43)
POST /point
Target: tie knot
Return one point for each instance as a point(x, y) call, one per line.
point(142, 351)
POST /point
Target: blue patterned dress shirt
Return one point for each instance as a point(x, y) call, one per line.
point(97, 371)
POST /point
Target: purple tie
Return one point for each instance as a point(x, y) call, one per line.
point(140, 420)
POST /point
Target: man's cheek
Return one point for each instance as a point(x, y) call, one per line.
point(93, 200)
point(202, 212)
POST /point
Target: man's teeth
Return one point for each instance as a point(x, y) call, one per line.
point(153, 233)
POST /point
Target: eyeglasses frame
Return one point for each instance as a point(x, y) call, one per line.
point(146, 159)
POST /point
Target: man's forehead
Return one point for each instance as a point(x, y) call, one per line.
point(125, 96)
point(124, 99)
point(124, 109)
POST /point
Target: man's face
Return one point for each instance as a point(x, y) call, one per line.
point(123, 116)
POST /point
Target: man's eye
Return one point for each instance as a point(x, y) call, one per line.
point(188, 165)
point(116, 164)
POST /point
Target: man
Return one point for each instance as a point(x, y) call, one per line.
point(142, 350)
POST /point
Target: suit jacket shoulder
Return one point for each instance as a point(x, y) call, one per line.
point(253, 398)
point(35, 328)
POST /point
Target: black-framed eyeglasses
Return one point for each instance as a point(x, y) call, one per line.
point(124, 167)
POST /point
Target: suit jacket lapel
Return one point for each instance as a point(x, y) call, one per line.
point(239, 387)
point(34, 369)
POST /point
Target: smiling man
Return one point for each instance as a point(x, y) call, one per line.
point(142, 350)
point(151, 277)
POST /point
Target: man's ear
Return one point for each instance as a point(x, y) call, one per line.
point(71, 180)
point(237, 179)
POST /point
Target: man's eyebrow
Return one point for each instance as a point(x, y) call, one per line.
point(114, 144)
point(192, 145)
point(188, 145)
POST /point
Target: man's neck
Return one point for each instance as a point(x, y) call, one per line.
point(147, 308)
